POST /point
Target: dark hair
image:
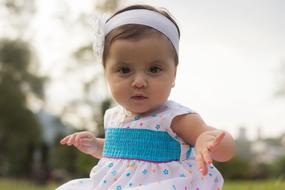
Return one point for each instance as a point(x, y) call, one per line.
point(134, 31)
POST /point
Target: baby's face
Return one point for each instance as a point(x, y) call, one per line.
point(140, 73)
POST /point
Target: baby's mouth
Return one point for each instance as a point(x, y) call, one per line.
point(139, 97)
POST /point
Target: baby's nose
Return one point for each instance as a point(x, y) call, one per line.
point(139, 81)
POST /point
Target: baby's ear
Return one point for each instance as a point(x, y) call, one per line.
point(175, 71)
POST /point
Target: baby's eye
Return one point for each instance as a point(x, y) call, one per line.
point(124, 70)
point(154, 69)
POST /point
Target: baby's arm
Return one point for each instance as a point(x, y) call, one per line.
point(210, 143)
point(86, 142)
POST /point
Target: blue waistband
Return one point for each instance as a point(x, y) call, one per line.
point(141, 144)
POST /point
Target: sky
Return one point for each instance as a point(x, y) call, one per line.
point(230, 58)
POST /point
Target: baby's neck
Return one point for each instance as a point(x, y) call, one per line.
point(129, 114)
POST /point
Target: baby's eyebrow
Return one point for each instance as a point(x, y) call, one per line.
point(123, 63)
point(156, 62)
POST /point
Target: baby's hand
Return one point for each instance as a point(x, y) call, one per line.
point(205, 144)
point(84, 141)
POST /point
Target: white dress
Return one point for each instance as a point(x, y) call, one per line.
point(143, 153)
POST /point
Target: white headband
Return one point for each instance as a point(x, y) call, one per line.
point(148, 18)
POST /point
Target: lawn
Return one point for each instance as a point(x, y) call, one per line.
point(229, 185)
point(255, 185)
point(8, 184)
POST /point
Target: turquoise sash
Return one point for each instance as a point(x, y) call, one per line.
point(141, 144)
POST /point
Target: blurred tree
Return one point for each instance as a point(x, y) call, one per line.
point(237, 168)
point(279, 168)
point(17, 14)
point(19, 129)
point(107, 5)
point(243, 147)
point(91, 74)
point(58, 152)
point(261, 171)
point(84, 164)
point(19, 87)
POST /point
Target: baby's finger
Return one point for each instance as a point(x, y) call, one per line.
point(207, 157)
point(71, 140)
point(77, 140)
point(86, 135)
point(64, 140)
point(201, 163)
point(90, 141)
point(211, 147)
point(85, 146)
point(219, 138)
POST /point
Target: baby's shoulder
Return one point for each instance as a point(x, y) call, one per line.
point(114, 113)
point(172, 108)
point(169, 111)
point(113, 110)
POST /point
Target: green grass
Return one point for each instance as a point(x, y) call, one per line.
point(7, 184)
point(255, 185)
